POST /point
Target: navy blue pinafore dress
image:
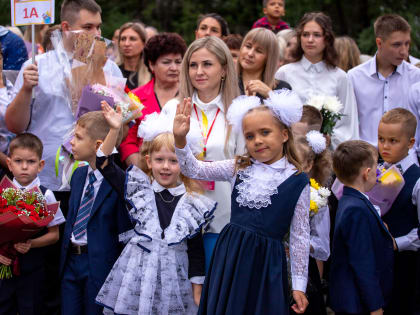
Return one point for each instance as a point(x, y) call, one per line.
point(248, 270)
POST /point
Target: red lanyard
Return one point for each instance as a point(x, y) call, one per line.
point(206, 137)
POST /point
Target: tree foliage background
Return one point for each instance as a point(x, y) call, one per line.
point(353, 18)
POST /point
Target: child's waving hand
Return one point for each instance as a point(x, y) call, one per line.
point(182, 122)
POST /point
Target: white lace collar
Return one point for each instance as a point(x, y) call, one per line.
point(175, 191)
point(260, 182)
point(215, 102)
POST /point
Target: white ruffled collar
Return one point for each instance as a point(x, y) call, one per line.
point(215, 102)
point(175, 191)
point(260, 181)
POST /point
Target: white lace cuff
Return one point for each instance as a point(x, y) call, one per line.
point(195, 169)
point(198, 280)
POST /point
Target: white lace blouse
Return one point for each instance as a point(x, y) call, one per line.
point(259, 183)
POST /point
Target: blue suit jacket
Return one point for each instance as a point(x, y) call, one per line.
point(362, 257)
point(109, 217)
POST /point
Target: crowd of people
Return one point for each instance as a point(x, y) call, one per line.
point(222, 197)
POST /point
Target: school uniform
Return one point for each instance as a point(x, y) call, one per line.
point(362, 257)
point(88, 256)
point(403, 221)
point(25, 294)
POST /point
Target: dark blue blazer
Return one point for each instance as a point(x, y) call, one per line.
point(109, 217)
point(362, 257)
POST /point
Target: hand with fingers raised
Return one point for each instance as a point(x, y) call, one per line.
point(182, 123)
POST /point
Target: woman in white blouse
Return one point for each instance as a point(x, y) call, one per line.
point(316, 73)
point(208, 76)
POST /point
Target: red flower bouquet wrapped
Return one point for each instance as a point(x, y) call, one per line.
point(22, 215)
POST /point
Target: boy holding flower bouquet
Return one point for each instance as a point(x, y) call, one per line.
point(24, 293)
point(396, 134)
point(363, 249)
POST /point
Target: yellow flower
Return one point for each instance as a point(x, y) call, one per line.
point(313, 206)
point(314, 184)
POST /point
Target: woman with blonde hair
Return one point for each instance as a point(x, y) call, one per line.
point(131, 41)
point(209, 78)
point(348, 53)
point(258, 59)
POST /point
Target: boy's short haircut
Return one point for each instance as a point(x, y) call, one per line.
point(311, 116)
point(387, 24)
point(401, 116)
point(265, 2)
point(233, 41)
point(96, 126)
point(350, 157)
point(70, 9)
point(26, 141)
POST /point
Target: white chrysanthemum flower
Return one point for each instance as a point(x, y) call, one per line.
point(333, 104)
point(316, 141)
point(324, 192)
point(316, 101)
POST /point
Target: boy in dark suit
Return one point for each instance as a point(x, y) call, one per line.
point(96, 218)
point(362, 251)
point(395, 138)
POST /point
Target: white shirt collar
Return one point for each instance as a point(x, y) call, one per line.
point(215, 102)
point(98, 174)
point(277, 165)
point(175, 191)
point(307, 65)
point(34, 183)
point(373, 68)
point(405, 163)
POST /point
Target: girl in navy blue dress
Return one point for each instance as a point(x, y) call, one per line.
point(270, 197)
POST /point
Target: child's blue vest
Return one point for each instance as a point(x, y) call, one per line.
point(402, 217)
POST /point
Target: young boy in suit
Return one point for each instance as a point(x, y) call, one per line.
point(363, 249)
point(25, 293)
point(96, 218)
point(396, 134)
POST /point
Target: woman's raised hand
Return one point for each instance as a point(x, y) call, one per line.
point(182, 122)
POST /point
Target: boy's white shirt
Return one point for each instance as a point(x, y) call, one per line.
point(411, 240)
point(50, 198)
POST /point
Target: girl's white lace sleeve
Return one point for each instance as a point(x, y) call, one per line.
point(320, 234)
point(195, 169)
point(300, 242)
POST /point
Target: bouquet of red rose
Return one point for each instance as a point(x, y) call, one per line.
point(22, 215)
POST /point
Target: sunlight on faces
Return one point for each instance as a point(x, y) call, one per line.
point(130, 43)
point(25, 165)
point(205, 71)
point(252, 56)
point(83, 146)
point(395, 48)
point(208, 27)
point(312, 41)
point(165, 167)
point(167, 68)
point(393, 142)
point(275, 9)
point(264, 136)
